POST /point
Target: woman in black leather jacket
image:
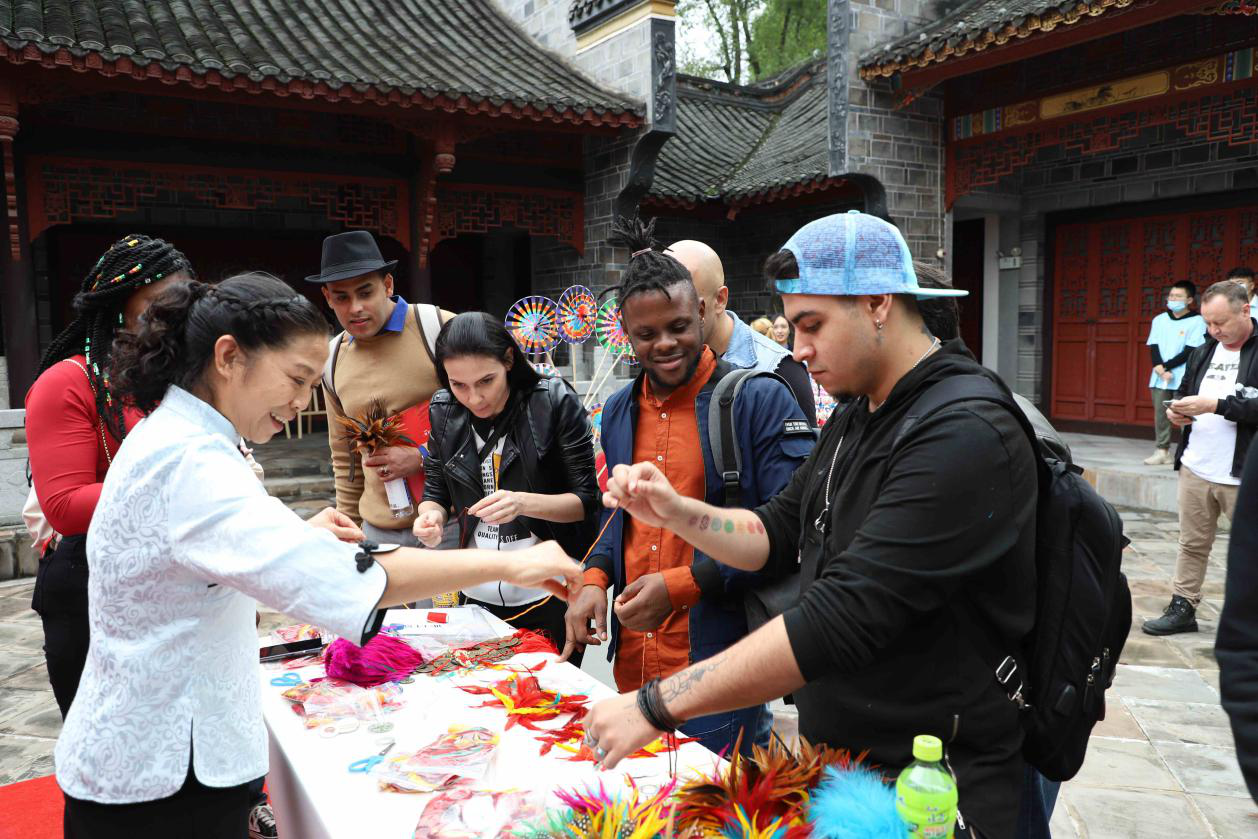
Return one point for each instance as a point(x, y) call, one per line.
point(511, 453)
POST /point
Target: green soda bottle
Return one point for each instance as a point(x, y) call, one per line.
point(925, 794)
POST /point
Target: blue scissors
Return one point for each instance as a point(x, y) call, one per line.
point(369, 763)
point(288, 680)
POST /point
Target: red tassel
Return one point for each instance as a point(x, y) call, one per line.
point(534, 642)
point(383, 659)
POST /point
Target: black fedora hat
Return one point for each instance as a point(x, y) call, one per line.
point(350, 254)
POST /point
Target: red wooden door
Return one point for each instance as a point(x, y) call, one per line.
point(1110, 280)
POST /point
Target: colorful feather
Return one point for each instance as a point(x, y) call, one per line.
point(375, 429)
point(855, 803)
point(770, 788)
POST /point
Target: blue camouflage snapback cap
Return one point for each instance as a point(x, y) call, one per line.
point(854, 253)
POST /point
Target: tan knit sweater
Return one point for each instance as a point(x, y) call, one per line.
point(395, 367)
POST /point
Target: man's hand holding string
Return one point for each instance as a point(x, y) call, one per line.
point(736, 538)
point(590, 604)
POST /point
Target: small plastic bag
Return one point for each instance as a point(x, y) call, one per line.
point(459, 755)
point(328, 701)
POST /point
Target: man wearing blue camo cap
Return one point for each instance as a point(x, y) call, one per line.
point(906, 548)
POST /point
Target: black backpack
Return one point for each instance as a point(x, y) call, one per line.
point(1083, 604)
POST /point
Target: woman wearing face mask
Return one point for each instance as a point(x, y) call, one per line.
point(1172, 336)
point(166, 732)
point(512, 453)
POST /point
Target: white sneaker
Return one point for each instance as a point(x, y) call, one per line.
point(1158, 458)
point(262, 823)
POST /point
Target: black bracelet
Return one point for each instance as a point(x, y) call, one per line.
point(363, 557)
point(651, 705)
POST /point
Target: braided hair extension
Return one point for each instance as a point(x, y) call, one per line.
point(131, 263)
point(176, 338)
point(649, 269)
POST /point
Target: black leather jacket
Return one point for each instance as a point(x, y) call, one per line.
point(548, 449)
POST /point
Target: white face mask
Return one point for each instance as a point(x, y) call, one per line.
point(1176, 305)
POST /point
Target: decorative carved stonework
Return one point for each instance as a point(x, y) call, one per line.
point(838, 29)
point(663, 76)
point(468, 208)
point(8, 130)
point(63, 191)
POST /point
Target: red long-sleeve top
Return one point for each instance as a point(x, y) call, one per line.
point(63, 437)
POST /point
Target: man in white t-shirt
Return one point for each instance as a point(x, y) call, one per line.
point(1217, 408)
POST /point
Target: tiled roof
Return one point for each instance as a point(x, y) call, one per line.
point(449, 54)
point(976, 25)
point(734, 143)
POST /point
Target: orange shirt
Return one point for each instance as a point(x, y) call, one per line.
point(668, 436)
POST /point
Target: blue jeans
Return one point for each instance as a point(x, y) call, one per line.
point(1035, 811)
point(719, 732)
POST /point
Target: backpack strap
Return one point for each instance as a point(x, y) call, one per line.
point(329, 369)
point(428, 319)
point(727, 456)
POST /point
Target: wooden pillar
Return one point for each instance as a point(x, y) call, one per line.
point(20, 319)
point(436, 157)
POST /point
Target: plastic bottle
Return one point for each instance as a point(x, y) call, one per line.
point(925, 793)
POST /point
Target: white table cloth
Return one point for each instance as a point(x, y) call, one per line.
point(314, 796)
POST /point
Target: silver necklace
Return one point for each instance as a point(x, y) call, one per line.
point(824, 515)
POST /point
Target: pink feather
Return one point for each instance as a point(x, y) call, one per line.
point(383, 659)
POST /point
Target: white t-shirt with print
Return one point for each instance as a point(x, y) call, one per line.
point(1212, 444)
point(512, 536)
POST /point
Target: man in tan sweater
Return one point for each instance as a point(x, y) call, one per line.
point(384, 353)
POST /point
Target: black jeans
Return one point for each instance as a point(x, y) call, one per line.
point(547, 619)
point(60, 599)
point(195, 812)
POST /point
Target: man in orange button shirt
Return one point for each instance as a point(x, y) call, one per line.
point(674, 605)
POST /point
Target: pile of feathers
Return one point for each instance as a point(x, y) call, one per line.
point(810, 792)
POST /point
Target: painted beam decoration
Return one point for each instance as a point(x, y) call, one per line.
point(1215, 98)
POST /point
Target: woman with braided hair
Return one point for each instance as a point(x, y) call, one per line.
point(74, 425)
point(166, 734)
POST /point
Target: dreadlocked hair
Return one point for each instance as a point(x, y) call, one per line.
point(649, 269)
point(176, 338)
point(131, 263)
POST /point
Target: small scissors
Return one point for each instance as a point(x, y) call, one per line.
point(369, 763)
point(288, 680)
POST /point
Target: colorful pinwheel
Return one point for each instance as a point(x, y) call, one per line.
point(533, 323)
point(578, 311)
point(611, 335)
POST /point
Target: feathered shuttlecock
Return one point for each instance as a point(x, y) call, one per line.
point(759, 796)
point(854, 803)
point(374, 429)
point(594, 814)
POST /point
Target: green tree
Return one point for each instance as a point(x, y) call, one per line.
point(749, 39)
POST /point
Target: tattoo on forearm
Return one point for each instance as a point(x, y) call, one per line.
point(674, 686)
point(742, 526)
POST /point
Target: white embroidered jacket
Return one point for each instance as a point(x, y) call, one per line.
point(183, 540)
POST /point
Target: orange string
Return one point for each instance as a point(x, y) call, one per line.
point(584, 559)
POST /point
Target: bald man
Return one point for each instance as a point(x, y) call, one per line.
point(728, 336)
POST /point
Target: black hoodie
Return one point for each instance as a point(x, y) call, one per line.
point(926, 544)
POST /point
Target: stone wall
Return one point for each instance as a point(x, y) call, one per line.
point(900, 147)
point(545, 21)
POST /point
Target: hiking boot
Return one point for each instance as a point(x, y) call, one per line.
point(262, 823)
point(1179, 616)
point(1158, 458)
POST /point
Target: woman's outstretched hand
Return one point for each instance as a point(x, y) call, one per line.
point(543, 566)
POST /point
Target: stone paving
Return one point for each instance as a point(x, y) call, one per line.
point(1162, 764)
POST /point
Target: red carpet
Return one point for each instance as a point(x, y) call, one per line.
point(32, 809)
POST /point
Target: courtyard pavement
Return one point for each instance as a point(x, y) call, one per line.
point(1162, 763)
